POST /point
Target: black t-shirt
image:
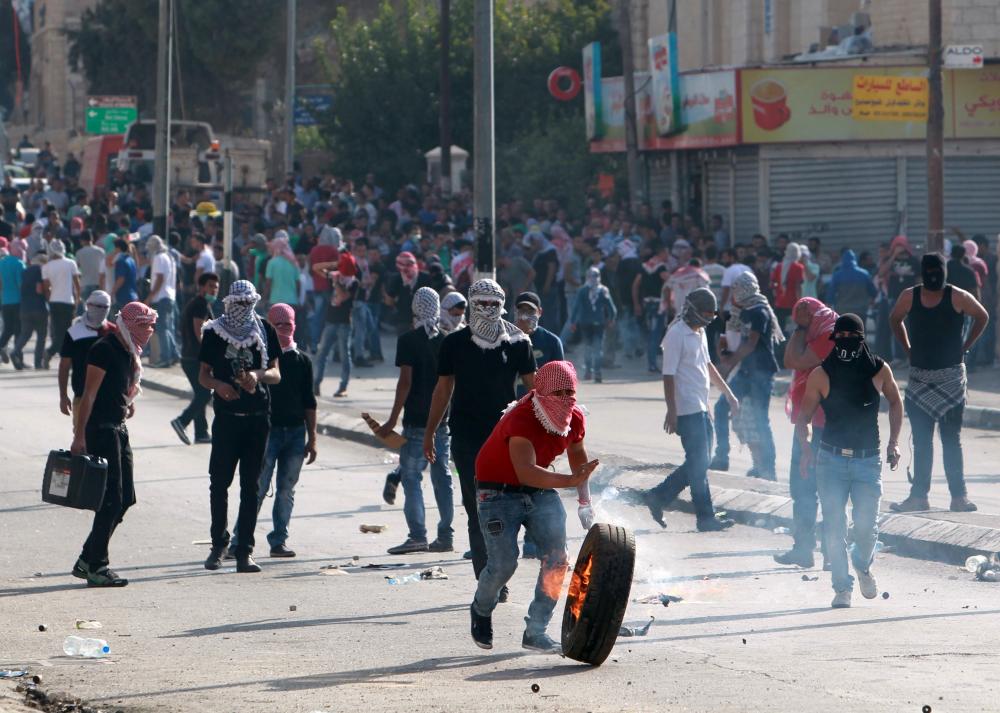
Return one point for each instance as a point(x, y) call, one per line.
point(9, 197)
point(222, 356)
point(961, 276)
point(903, 273)
point(111, 402)
point(484, 381)
point(196, 308)
point(625, 276)
point(541, 265)
point(75, 347)
point(293, 395)
point(417, 351)
point(403, 295)
point(651, 284)
point(341, 313)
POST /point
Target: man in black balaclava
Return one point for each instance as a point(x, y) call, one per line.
point(848, 461)
point(935, 338)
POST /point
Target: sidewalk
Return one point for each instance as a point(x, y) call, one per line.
point(626, 416)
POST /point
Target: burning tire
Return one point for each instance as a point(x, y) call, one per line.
point(598, 593)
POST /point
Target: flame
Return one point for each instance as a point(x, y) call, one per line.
point(578, 586)
point(552, 575)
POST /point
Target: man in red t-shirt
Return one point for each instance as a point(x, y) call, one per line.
point(808, 346)
point(786, 283)
point(515, 489)
point(327, 249)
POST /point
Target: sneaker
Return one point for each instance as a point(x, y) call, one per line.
point(587, 375)
point(842, 600)
point(81, 569)
point(230, 552)
point(246, 565)
point(408, 547)
point(105, 577)
point(440, 545)
point(315, 389)
point(178, 427)
point(598, 379)
point(341, 393)
point(467, 555)
point(482, 629)
point(655, 508)
point(797, 558)
point(214, 559)
point(363, 363)
point(716, 524)
point(867, 584)
point(4, 357)
point(911, 504)
point(390, 487)
point(753, 472)
point(202, 439)
point(720, 463)
point(18, 361)
point(540, 642)
point(282, 551)
point(962, 504)
point(504, 595)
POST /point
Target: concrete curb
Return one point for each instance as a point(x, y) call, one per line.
point(910, 535)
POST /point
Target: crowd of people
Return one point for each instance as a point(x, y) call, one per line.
point(320, 268)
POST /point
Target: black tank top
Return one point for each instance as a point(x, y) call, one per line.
point(935, 333)
point(851, 408)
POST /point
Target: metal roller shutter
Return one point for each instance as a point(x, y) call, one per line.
point(659, 181)
point(747, 217)
point(844, 202)
point(971, 188)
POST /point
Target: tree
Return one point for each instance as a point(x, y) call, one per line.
point(220, 46)
point(385, 107)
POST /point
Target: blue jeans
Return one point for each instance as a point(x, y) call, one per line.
point(593, 347)
point(805, 503)
point(166, 334)
point(318, 319)
point(374, 336)
point(753, 389)
point(339, 334)
point(628, 332)
point(950, 428)
point(501, 515)
point(653, 321)
point(286, 448)
point(364, 328)
point(411, 469)
point(860, 479)
point(695, 431)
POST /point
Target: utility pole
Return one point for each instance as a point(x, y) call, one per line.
point(445, 108)
point(161, 168)
point(935, 135)
point(635, 191)
point(289, 153)
point(482, 92)
point(227, 208)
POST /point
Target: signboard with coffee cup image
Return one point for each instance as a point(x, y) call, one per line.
point(708, 111)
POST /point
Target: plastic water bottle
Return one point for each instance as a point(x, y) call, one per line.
point(88, 648)
point(972, 564)
point(781, 531)
point(403, 580)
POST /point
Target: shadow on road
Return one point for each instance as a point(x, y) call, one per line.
point(524, 672)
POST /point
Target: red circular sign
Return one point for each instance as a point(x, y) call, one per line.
point(556, 88)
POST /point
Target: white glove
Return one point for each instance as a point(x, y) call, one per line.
point(586, 513)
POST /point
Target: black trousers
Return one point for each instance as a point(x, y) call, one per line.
point(36, 323)
point(11, 324)
point(236, 440)
point(464, 452)
point(112, 445)
point(195, 410)
point(61, 315)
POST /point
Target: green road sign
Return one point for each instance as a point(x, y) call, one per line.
point(110, 115)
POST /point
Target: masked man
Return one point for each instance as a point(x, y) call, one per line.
point(516, 489)
point(239, 358)
point(80, 337)
point(929, 322)
point(112, 384)
point(687, 376)
point(477, 366)
point(848, 461)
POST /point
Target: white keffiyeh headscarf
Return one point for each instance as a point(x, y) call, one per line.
point(240, 325)
point(489, 328)
point(746, 294)
point(427, 311)
point(449, 322)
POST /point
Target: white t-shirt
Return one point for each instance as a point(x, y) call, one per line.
point(685, 357)
point(59, 272)
point(730, 275)
point(206, 261)
point(163, 264)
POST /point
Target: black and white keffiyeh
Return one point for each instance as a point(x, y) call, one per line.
point(240, 325)
point(937, 391)
point(489, 328)
point(427, 311)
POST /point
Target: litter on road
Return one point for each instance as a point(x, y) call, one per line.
point(88, 624)
point(8, 673)
point(636, 630)
point(433, 573)
point(374, 529)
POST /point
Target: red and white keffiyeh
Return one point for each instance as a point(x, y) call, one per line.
point(282, 318)
point(553, 412)
point(132, 322)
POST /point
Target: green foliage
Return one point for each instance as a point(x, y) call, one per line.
point(220, 45)
point(386, 96)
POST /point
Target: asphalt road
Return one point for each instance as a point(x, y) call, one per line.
point(749, 636)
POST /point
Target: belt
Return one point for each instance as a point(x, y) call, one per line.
point(507, 488)
point(110, 425)
point(849, 452)
point(241, 414)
